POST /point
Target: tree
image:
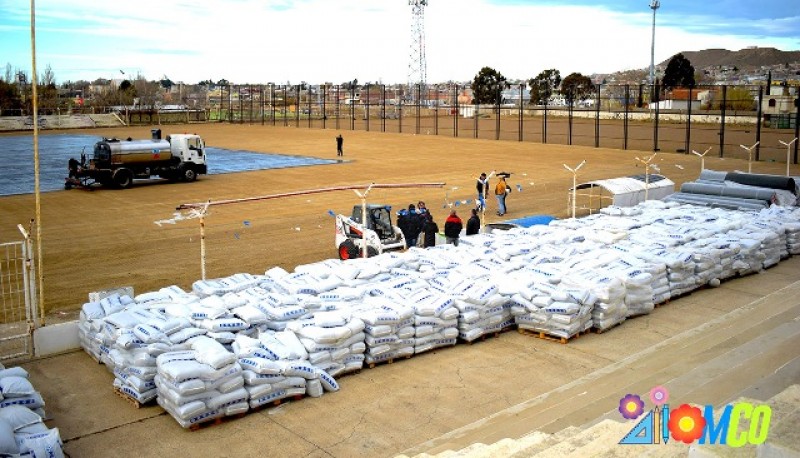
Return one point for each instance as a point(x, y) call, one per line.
point(9, 97)
point(543, 86)
point(576, 87)
point(679, 73)
point(486, 85)
point(737, 98)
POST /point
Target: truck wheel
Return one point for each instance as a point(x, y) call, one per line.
point(123, 178)
point(348, 250)
point(188, 174)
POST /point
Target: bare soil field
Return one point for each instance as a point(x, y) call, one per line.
point(94, 240)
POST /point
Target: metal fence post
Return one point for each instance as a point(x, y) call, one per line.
point(796, 119)
point(597, 119)
point(520, 127)
point(722, 120)
point(625, 121)
point(687, 145)
point(657, 96)
point(366, 111)
point(759, 120)
point(456, 114)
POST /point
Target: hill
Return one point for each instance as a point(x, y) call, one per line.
point(747, 58)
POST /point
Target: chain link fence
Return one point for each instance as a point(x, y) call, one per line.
point(640, 117)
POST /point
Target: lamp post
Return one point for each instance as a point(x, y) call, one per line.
point(654, 5)
point(750, 155)
point(702, 158)
point(788, 152)
point(646, 161)
point(574, 183)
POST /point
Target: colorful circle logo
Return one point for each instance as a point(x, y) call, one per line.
point(686, 424)
point(631, 406)
point(659, 395)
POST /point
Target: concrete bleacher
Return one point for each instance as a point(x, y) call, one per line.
point(74, 121)
point(601, 439)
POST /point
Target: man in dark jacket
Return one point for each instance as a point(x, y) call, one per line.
point(430, 229)
point(473, 223)
point(452, 228)
point(410, 223)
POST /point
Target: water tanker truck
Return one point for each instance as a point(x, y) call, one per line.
point(116, 163)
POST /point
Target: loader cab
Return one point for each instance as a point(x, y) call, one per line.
point(379, 219)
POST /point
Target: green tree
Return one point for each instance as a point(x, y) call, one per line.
point(576, 87)
point(737, 98)
point(544, 85)
point(486, 86)
point(9, 97)
point(679, 73)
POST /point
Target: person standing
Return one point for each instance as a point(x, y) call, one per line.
point(429, 229)
point(500, 192)
point(482, 187)
point(473, 223)
point(452, 228)
point(339, 143)
point(410, 224)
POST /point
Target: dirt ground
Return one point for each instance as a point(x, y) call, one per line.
point(108, 238)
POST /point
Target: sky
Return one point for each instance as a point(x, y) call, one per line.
point(318, 41)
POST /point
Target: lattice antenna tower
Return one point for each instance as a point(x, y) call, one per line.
point(417, 66)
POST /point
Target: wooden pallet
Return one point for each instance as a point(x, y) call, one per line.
point(545, 336)
point(277, 402)
point(600, 331)
point(483, 338)
point(388, 361)
point(128, 399)
point(215, 421)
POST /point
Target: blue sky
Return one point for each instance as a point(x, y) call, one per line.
point(260, 41)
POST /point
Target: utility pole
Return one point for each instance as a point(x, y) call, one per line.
point(654, 5)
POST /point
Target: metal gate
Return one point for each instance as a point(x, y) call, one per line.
point(17, 298)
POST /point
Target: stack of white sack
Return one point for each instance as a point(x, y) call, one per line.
point(91, 327)
point(332, 339)
point(638, 257)
point(132, 338)
point(200, 384)
point(609, 309)
point(793, 237)
point(388, 326)
point(784, 221)
point(563, 305)
point(482, 309)
point(773, 244)
point(276, 366)
point(22, 430)
point(399, 311)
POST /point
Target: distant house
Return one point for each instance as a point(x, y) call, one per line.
point(678, 100)
point(779, 99)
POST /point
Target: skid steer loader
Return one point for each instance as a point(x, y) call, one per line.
point(368, 232)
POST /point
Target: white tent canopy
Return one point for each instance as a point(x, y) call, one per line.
point(622, 191)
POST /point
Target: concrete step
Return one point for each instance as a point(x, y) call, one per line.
point(537, 446)
point(601, 436)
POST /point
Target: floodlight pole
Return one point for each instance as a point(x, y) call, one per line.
point(750, 155)
point(702, 158)
point(788, 153)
